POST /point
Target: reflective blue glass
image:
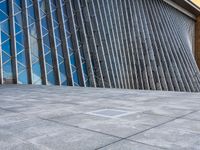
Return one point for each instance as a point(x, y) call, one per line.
point(33, 38)
point(4, 37)
point(3, 16)
point(70, 48)
point(19, 38)
point(46, 44)
point(4, 6)
point(62, 71)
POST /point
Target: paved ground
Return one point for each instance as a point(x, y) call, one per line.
point(66, 118)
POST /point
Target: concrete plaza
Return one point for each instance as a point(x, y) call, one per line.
point(73, 118)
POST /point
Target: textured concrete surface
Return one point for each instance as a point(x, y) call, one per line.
point(72, 118)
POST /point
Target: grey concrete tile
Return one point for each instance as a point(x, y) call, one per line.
point(7, 140)
point(170, 138)
point(23, 146)
point(146, 119)
point(115, 127)
point(12, 118)
point(75, 129)
point(194, 116)
point(31, 128)
point(184, 124)
point(73, 139)
point(129, 145)
point(167, 111)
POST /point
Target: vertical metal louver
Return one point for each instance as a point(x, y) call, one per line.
point(130, 44)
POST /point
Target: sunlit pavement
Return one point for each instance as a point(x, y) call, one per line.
point(72, 118)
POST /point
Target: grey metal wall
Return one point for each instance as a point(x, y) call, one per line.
point(132, 44)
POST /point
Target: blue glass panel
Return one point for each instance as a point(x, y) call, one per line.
point(55, 24)
point(48, 68)
point(29, 2)
point(44, 31)
point(72, 59)
point(4, 7)
point(42, 5)
point(75, 77)
point(8, 69)
point(31, 12)
point(20, 67)
point(18, 2)
point(17, 28)
point(46, 49)
point(21, 58)
point(34, 59)
point(6, 47)
point(20, 38)
point(46, 40)
point(60, 59)
point(50, 77)
point(19, 47)
point(48, 58)
point(5, 26)
point(69, 42)
point(59, 49)
point(5, 57)
point(23, 77)
point(32, 30)
point(18, 19)
point(57, 33)
point(4, 37)
point(36, 71)
point(30, 20)
point(2, 16)
point(44, 22)
point(16, 9)
point(84, 68)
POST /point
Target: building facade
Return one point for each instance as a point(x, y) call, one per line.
point(132, 44)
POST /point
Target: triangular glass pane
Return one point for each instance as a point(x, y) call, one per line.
point(31, 12)
point(4, 6)
point(5, 57)
point(59, 50)
point(50, 77)
point(48, 58)
point(2, 16)
point(32, 30)
point(44, 31)
point(29, 2)
point(20, 67)
point(23, 77)
point(17, 28)
point(46, 49)
point(5, 26)
point(36, 71)
point(18, 2)
point(7, 67)
point(48, 68)
point(21, 58)
point(16, 9)
point(60, 59)
point(20, 38)
point(4, 37)
point(19, 47)
point(34, 59)
point(6, 47)
point(18, 19)
point(30, 20)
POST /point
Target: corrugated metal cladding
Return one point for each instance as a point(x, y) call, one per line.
point(133, 44)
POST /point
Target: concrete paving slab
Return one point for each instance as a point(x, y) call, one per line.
point(52, 118)
point(129, 145)
point(170, 138)
point(73, 139)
